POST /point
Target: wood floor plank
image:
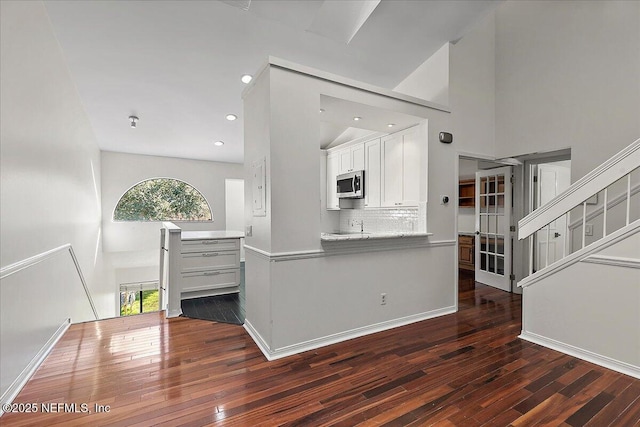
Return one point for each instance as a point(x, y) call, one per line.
point(465, 369)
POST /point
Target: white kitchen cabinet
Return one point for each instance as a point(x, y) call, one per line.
point(333, 167)
point(400, 167)
point(351, 158)
point(372, 168)
point(210, 264)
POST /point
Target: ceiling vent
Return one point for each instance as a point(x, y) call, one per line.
point(241, 4)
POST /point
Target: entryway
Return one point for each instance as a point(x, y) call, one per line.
point(493, 195)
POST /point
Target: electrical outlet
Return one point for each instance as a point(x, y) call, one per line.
point(248, 231)
point(444, 199)
point(588, 229)
point(383, 299)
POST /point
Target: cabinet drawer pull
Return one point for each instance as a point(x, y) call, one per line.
point(210, 254)
point(211, 273)
point(209, 242)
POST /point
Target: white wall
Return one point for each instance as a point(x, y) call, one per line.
point(590, 309)
point(430, 81)
point(50, 160)
point(567, 76)
point(131, 248)
point(50, 174)
point(472, 90)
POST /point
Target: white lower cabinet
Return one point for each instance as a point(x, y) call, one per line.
point(210, 280)
point(209, 267)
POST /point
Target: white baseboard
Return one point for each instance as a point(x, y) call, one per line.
point(33, 365)
point(598, 359)
point(173, 313)
point(257, 338)
point(340, 336)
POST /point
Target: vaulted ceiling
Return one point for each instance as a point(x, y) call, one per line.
point(177, 64)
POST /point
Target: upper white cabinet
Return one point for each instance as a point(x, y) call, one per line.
point(372, 171)
point(333, 166)
point(400, 167)
point(351, 158)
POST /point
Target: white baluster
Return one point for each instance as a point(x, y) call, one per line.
point(584, 222)
point(628, 196)
point(531, 253)
point(604, 212)
point(546, 256)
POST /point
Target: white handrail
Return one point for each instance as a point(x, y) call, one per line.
point(610, 171)
point(36, 259)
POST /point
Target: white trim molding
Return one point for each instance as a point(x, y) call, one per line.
point(352, 247)
point(290, 350)
point(36, 259)
point(613, 260)
point(17, 385)
point(28, 262)
point(583, 354)
point(608, 172)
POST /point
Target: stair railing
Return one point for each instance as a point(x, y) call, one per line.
point(29, 262)
point(600, 203)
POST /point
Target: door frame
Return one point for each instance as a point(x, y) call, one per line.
point(518, 264)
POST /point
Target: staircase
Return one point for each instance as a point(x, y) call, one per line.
point(587, 304)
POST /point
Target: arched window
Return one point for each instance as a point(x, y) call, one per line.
point(162, 199)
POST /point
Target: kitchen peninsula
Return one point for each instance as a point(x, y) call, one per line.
point(194, 264)
point(306, 285)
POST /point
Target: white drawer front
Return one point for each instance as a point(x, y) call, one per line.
point(198, 261)
point(204, 280)
point(208, 245)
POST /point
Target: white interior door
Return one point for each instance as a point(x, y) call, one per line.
point(551, 242)
point(493, 219)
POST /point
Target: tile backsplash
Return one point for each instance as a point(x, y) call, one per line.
point(379, 220)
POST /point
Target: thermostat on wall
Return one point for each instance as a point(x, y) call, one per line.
point(446, 137)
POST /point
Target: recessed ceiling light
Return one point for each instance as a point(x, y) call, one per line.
point(218, 143)
point(246, 78)
point(231, 117)
point(390, 125)
point(357, 118)
point(322, 110)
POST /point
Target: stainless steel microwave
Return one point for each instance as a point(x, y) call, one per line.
point(350, 185)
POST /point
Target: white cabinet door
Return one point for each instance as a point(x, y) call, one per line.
point(372, 171)
point(391, 183)
point(345, 161)
point(410, 168)
point(357, 157)
point(333, 165)
point(351, 158)
point(400, 184)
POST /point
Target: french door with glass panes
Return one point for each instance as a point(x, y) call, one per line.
point(493, 219)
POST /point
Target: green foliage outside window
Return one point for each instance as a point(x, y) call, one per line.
point(162, 199)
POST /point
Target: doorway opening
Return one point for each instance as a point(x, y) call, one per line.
point(493, 195)
point(139, 297)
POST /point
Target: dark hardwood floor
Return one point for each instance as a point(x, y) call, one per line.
point(465, 369)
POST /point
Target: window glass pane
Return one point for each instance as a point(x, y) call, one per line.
point(162, 199)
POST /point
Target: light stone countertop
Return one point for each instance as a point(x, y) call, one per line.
point(331, 237)
point(221, 234)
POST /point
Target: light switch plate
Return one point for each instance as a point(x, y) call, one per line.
point(588, 229)
point(248, 231)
